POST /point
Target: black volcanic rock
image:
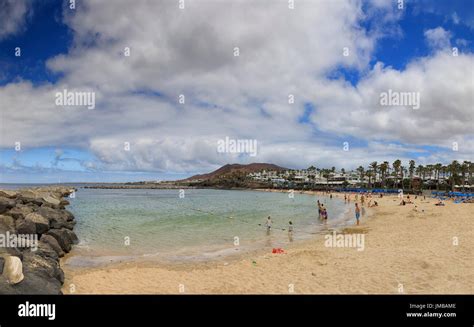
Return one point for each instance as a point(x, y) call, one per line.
point(62, 237)
point(32, 212)
point(24, 226)
point(53, 243)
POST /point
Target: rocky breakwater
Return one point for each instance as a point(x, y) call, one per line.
point(35, 231)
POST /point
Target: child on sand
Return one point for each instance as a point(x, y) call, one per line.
point(357, 212)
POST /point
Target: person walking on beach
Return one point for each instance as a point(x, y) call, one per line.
point(362, 199)
point(268, 224)
point(357, 212)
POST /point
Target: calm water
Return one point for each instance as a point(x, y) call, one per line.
point(202, 225)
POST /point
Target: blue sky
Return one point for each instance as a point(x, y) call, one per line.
point(62, 48)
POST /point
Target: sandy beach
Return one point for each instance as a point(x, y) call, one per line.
point(427, 250)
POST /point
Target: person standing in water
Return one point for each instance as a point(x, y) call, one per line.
point(290, 231)
point(268, 224)
point(324, 214)
point(357, 212)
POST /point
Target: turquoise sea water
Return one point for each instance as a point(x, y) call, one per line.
point(116, 225)
point(204, 224)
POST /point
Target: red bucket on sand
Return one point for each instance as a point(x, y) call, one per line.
point(278, 250)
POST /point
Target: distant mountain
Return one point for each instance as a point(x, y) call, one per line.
point(231, 169)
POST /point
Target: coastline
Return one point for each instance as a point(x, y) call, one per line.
point(406, 251)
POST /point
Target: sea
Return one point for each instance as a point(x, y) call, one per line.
point(115, 225)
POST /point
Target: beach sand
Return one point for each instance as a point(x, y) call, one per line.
point(406, 251)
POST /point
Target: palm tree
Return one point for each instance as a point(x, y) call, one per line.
point(411, 169)
point(444, 171)
point(368, 174)
point(383, 168)
point(396, 167)
point(464, 170)
point(361, 173)
point(373, 166)
point(470, 172)
point(453, 169)
point(437, 168)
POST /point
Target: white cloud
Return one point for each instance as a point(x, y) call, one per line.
point(190, 52)
point(438, 38)
point(13, 15)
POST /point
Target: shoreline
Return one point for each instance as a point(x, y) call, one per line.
point(406, 252)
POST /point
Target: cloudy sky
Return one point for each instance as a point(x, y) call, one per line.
point(334, 58)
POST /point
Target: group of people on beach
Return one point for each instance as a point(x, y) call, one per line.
point(323, 213)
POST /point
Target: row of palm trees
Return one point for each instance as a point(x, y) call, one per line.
point(411, 177)
point(398, 176)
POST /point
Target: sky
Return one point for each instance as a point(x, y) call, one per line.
point(140, 59)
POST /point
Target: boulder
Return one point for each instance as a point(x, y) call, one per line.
point(46, 251)
point(24, 226)
point(8, 194)
point(6, 204)
point(72, 236)
point(63, 238)
point(42, 223)
point(57, 218)
point(8, 223)
point(33, 202)
point(20, 211)
point(68, 215)
point(13, 270)
point(51, 200)
point(48, 239)
point(5, 229)
point(33, 284)
point(40, 263)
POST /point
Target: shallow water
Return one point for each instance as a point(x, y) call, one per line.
point(115, 225)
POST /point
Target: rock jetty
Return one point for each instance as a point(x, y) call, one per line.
point(35, 231)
